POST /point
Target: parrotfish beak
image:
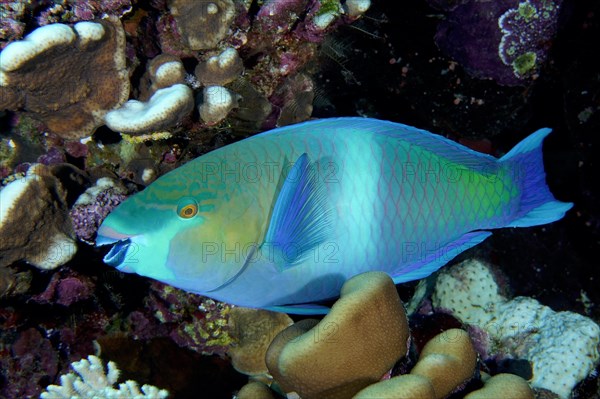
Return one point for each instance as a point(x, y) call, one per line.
point(117, 256)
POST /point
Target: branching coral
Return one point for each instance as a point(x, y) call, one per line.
point(92, 381)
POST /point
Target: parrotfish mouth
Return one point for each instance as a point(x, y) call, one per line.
point(117, 256)
point(118, 253)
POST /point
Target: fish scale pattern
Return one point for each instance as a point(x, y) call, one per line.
point(397, 202)
point(397, 199)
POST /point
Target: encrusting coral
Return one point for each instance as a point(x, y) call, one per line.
point(67, 78)
point(360, 339)
point(93, 382)
point(521, 327)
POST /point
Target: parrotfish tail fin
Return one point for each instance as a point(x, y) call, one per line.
point(538, 205)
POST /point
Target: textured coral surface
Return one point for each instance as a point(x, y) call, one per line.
point(483, 73)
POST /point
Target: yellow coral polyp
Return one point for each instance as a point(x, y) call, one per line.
point(155, 136)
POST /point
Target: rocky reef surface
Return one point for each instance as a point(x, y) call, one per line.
point(99, 98)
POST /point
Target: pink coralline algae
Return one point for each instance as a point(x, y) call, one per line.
point(504, 40)
point(75, 10)
point(11, 25)
point(66, 289)
point(26, 364)
point(93, 206)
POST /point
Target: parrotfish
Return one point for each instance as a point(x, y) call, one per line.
point(282, 219)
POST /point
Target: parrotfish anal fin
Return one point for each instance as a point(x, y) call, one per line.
point(431, 262)
point(300, 220)
point(302, 309)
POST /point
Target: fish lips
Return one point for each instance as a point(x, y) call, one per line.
point(118, 256)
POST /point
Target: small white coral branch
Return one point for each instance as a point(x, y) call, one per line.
point(93, 381)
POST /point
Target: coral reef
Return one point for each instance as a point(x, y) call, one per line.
point(34, 220)
point(254, 390)
point(66, 289)
point(202, 24)
point(322, 360)
point(450, 350)
point(13, 282)
point(94, 205)
point(217, 101)
point(282, 62)
point(507, 386)
point(68, 78)
point(74, 10)
point(165, 70)
point(27, 362)
point(526, 32)
point(193, 322)
point(446, 361)
point(506, 40)
point(252, 331)
point(221, 69)
point(521, 328)
point(92, 380)
point(164, 109)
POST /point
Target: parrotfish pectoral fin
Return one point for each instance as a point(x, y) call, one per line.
point(437, 258)
point(538, 205)
point(300, 220)
point(302, 309)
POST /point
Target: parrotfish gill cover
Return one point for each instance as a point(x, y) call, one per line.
point(282, 219)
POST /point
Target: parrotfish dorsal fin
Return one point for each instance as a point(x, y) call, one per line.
point(300, 220)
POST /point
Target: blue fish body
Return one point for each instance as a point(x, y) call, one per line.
point(287, 216)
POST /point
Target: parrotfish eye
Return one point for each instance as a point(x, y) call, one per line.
point(187, 208)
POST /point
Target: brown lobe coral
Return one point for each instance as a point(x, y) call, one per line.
point(68, 82)
point(202, 24)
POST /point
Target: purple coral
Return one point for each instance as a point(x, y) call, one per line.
point(505, 40)
point(93, 206)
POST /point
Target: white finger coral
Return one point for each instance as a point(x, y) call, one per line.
point(93, 381)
